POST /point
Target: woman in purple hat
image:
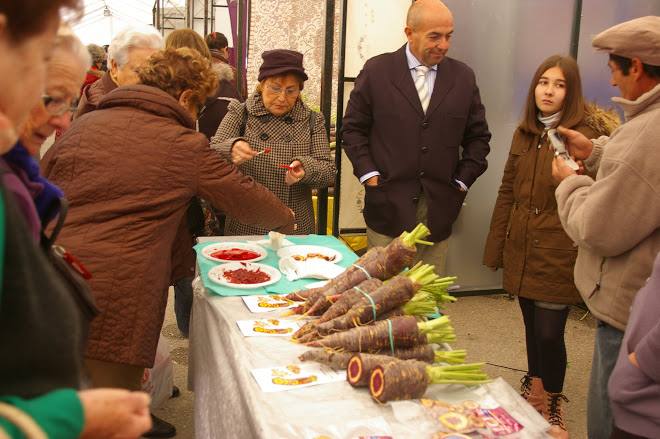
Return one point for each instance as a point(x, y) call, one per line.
point(275, 138)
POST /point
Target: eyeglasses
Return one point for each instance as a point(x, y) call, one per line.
point(58, 106)
point(288, 92)
point(200, 111)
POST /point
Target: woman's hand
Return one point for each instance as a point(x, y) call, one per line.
point(241, 152)
point(114, 413)
point(295, 173)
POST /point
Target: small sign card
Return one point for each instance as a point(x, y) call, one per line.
point(268, 327)
point(268, 303)
point(293, 376)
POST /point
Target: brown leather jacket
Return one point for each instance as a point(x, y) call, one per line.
point(129, 170)
point(526, 237)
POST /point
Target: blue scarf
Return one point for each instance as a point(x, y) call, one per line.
point(45, 194)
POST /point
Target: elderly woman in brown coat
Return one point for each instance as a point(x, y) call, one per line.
point(278, 140)
point(526, 237)
point(129, 170)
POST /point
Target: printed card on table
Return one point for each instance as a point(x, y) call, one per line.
point(268, 327)
point(294, 376)
point(268, 303)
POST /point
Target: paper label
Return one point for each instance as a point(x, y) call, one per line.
point(268, 327)
point(294, 376)
point(268, 303)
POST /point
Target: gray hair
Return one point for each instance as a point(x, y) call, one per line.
point(143, 38)
point(67, 41)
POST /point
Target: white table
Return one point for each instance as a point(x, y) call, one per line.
point(229, 403)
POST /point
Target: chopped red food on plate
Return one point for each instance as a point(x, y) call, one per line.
point(245, 276)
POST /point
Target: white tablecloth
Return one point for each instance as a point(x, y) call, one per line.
point(229, 403)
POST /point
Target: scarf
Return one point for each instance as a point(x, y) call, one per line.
point(549, 121)
point(46, 195)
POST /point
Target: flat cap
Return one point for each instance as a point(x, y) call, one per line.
point(638, 38)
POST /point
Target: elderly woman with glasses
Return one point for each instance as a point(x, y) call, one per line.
point(64, 73)
point(42, 325)
point(275, 138)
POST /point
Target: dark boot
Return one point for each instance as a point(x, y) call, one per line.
point(160, 428)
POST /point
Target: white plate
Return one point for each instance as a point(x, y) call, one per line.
point(303, 250)
point(209, 249)
point(216, 274)
point(313, 268)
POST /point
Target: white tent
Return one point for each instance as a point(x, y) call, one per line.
point(104, 18)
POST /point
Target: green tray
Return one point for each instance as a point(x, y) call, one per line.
point(283, 286)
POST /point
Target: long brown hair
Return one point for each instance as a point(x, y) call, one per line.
point(187, 38)
point(572, 111)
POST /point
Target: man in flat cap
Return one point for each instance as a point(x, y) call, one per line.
point(615, 218)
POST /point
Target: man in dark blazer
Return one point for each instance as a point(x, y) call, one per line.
point(407, 116)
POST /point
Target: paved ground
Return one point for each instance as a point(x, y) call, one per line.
point(489, 327)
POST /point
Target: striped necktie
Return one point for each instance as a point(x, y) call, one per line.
point(422, 88)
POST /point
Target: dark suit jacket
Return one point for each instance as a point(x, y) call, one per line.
point(385, 129)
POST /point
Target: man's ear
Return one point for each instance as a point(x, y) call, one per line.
point(636, 68)
point(408, 31)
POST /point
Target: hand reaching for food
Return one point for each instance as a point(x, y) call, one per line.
point(295, 173)
point(241, 152)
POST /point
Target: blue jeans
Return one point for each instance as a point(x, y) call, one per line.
point(183, 298)
point(606, 350)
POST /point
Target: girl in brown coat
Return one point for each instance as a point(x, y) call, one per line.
point(526, 238)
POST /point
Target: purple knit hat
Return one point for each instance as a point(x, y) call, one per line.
point(280, 61)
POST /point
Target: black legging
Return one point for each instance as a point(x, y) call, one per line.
point(544, 337)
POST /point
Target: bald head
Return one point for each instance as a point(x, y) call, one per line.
point(429, 27)
point(423, 10)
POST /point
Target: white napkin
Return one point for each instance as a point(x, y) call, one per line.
point(275, 241)
point(313, 268)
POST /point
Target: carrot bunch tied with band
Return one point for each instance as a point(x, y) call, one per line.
point(426, 353)
point(379, 262)
point(397, 332)
point(396, 292)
